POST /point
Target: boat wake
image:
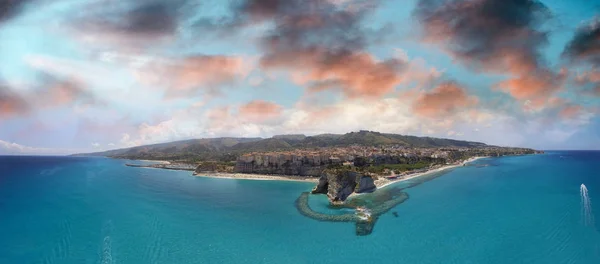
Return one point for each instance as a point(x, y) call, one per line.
point(586, 207)
point(107, 245)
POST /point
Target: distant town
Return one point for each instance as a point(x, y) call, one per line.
point(368, 152)
point(391, 161)
point(383, 160)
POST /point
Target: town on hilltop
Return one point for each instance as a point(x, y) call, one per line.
point(341, 164)
point(382, 160)
point(368, 152)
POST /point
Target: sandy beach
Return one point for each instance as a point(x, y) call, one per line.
point(260, 177)
point(381, 183)
point(157, 161)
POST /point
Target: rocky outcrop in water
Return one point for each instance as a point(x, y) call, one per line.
point(338, 185)
point(378, 206)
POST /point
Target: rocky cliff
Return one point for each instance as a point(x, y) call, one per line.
point(338, 185)
point(283, 164)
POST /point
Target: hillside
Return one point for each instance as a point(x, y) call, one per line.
point(227, 149)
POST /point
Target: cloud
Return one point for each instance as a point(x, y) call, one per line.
point(494, 34)
point(10, 8)
point(12, 148)
point(570, 111)
point(11, 103)
point(498, 36)
point(536, 85)
point(148, 77)
point(443, 101)
point(592, 76)
point(452, 113)
point(356, 74)
point(51, 93)
point(584, 48)
point(128, 25)
point(188, 76)
point(322, 43)
point(56, 92)
point(260, 111)
point(585, 45)
point(82, 73)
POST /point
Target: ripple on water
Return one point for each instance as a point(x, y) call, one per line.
point(154, 250)
point(106, 257)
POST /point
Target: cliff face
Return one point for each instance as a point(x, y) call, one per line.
point(338, 186)
point(283, 164)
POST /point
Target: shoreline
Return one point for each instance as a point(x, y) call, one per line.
point(380, 183)
point(266, 177)
point(416, 175)
point(256, 177)
point(157, 161)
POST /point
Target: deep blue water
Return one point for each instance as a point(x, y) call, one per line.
point(94, 210)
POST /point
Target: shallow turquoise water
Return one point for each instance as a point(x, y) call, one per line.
point(95, 210)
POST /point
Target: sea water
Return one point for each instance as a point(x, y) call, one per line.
point(525, 209)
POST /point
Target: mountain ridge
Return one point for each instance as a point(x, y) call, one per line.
point(227, 148)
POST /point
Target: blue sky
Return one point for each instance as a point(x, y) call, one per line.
point(92, 75)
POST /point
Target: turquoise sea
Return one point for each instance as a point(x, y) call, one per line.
point(526, 209)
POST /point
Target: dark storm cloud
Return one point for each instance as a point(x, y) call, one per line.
point(310, 23)
point(154, 18)
point(495, 34)
point(501, 36)
point(134, 18)
point(585, 45)
point(11, 8)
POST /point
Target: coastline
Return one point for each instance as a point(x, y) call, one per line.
point(380, 184)
point(416, 175)
point(256, 177)
point(157, 161)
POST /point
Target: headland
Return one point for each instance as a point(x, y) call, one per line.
point(342, 166)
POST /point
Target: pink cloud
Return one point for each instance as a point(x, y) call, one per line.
point(443, 101)
point(570, 111)
point(590, 77)
point(61, 93)
point(534, 85)
point(259, 110)
point(192, 74)
point(356, 74)
point(11, 104)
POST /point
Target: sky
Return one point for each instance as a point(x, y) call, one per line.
point(92, 75)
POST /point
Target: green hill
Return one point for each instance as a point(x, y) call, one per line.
point(227, 149)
